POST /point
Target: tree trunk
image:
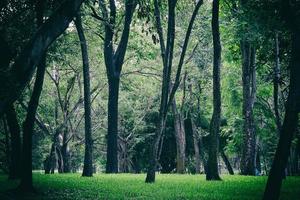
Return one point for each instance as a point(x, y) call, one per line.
point(290, 122)
point(28, 128)
point(196, 148)
point(88, 156)
point(249, 84)
point(212, 172)
point(15, 138)
point(180, 139)
point(227, 163)
point(276, 82)
point(112, 130)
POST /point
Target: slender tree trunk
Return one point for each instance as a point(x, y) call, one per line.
point(226, 161)
point(212, 168)
point(15, 138)
point(196, 148)
point(28, 128)
point(180, 139)
point(249, 139)
point(290, 122)
point(276, 82)
point(88, 156)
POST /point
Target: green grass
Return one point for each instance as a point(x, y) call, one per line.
point(131, 186)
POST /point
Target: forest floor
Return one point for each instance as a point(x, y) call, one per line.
point(132, 186)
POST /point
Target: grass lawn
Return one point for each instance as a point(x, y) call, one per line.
point(132, 186)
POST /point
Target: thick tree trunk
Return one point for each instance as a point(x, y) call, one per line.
point(227, 163)
point(212, 172)
point(15, 138)
point(28, 128)
point(112, 130)
point(290, 122)
point(88, 156)
point(180, 139)
point(196, 148)
point(249, 92)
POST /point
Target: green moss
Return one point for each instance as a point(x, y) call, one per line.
point(131, 186)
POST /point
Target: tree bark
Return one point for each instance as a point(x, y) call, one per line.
point(15, 143)
point(180, 139)
point(28, 128)
point(212, 172)
point(88, 156)
point(249, 92)
point(291, 117)
point(14, 81)
point(276, 82)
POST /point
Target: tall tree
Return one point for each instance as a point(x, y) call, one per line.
point(15, 138)
point(26, 184)
point(212, 172)
point(88, 155)
point(114, 60)
point(291, 15)
point(167, 58)
point(248, 52)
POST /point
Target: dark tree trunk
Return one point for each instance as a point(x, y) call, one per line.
point(28, 128)
point(180, 139)
point(112, 130)
point(227, 163)
point(88, 156)
point(212, 172)
point(249, 92)
point(15, 138)
point(276, 82)
point(291, 117)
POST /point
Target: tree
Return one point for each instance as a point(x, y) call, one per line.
point(167, 58)
point(291, 118)
point(114, 61)
point(88, 156)
point(212, 172)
